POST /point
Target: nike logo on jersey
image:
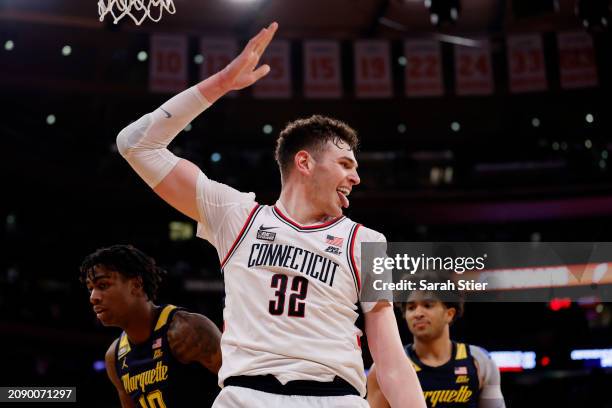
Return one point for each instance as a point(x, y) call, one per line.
point(262, 228)
point(168, 114)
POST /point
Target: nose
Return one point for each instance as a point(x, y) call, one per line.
point(418, 312)
point(94, 297)
point(354, 178)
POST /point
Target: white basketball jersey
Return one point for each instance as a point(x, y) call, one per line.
point(291, 303)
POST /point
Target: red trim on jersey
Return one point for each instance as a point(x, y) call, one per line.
point(359, 341)
point(248, 220)
point(306, 227)
point(223, 327)
point(352, 252)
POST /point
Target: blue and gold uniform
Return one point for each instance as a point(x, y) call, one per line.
point(451, 385)
point(154, 378)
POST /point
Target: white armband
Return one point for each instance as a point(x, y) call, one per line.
point(144, 143)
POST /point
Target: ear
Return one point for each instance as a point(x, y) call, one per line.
point(137, 286)
point(303, 162)
point(450, 314)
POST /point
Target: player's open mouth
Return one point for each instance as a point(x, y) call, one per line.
point(343, 193)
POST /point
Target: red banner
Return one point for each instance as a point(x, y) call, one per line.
point(526, 67)
point(372, 69)
point(277, 84)
point(322, 69)
point(423, 68)
point(473, 69)
point(577, 60)
point(168, 63)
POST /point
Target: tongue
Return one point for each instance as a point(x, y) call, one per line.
point(343, 200)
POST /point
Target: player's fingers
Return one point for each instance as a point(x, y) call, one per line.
point(252, 44)
point(265, 39)
point(261, 72)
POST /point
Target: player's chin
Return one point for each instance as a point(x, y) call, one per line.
point(336, 210)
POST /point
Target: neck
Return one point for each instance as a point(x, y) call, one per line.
point(141, 322)
point(437, 351)
point(294, 199)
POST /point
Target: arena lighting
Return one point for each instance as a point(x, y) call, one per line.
point(215, 157)
point(267, 129)
point(401, 128)
point(514, 360)
point(99, 365)
point(9, 45)
point(188, 127)
point(443, 10)
point(198, 59)
point(535, 122)
point(603, 356)
point(589, 118)
point(142, 56)
point(557, 304)
point(402, 61)
point(66, 50)
point(593, 14)
point(455, 126)
point(51, 119)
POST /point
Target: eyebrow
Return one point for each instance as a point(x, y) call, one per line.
point(97, 278)
point(349, 159)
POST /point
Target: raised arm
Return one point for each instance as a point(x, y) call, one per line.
point(396, 376)
point(144, 143)
point(109, 358)
point(193, 338)
point(376, 398)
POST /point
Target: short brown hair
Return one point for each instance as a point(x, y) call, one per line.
point(311, 134)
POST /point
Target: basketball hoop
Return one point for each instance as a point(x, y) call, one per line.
point(137, 10)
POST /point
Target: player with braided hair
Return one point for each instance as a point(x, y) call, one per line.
point(164, 352)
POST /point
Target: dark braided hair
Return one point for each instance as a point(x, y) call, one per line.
point(127, 261)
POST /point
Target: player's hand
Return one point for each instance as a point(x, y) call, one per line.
point(243, 71)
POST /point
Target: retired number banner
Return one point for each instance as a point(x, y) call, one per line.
point(168, 63)
point(372, 69)
point(473, 69)
point(423, 68)
point(577, 60)
point(322, 69)
point(277, 84)
point(526, 63)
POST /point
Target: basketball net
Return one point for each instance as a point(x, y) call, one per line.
point(137, 10)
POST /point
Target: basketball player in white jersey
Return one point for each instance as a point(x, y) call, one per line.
point(292, 270)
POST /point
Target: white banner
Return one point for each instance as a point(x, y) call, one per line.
point(322, 69)
point(577, 60)
point(372, 69)
point(277, 84)
point(168, 63)
point(473, 69)
point(423, 73)
point(526, 69)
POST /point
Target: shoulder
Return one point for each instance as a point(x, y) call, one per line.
point(110, 357)
point(110, 360)
point(365, 234)
point(488, 373)
point(479, 354)
point(208, 190)
point(193, 337)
